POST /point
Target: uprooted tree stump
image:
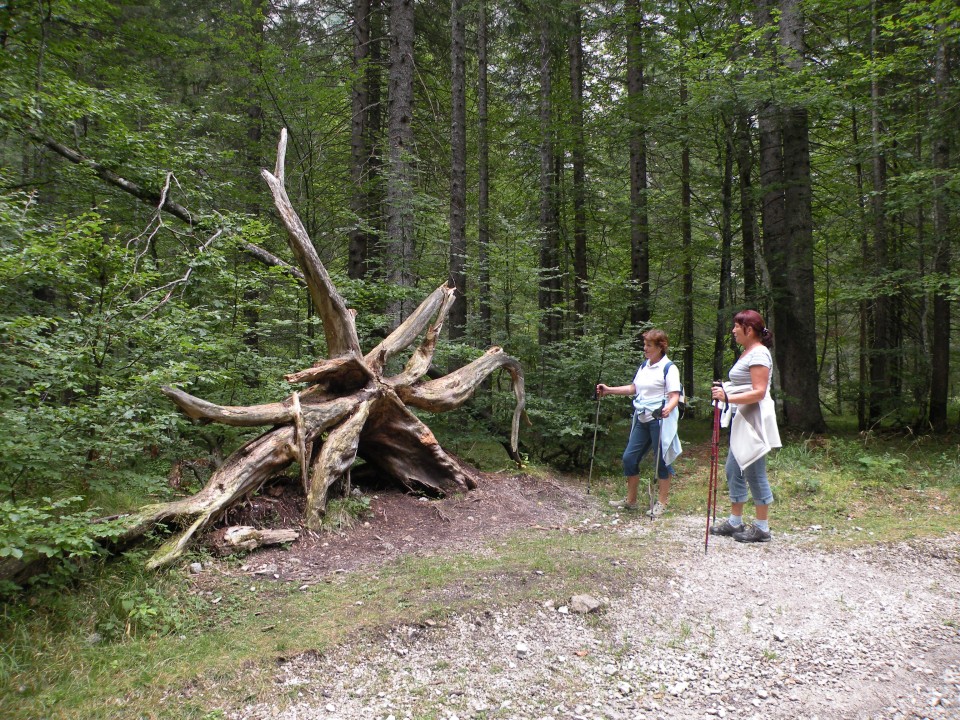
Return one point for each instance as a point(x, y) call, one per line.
point(349, 409)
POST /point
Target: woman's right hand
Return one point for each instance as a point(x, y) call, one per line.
point(601, 389)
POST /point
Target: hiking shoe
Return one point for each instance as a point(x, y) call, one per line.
point(726, 529)
point(752, 534)
point(623, 505)
point(657, 510)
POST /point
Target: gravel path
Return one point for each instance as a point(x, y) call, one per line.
point(783, 630)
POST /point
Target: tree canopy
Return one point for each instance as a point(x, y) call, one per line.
point(578, 170)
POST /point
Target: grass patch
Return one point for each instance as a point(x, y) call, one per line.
point(856, 488)
point(218, 655)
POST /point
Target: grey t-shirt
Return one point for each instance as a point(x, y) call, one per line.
point(740, 372)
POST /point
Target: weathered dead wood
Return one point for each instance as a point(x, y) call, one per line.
point(400, 446)
point(247, 538)
point(408, 331)
point(333, 463)
point(451, 391)
point(239, 416)
point(338, 322)
point(339, 374)
point(348, 411)
point(419, 362)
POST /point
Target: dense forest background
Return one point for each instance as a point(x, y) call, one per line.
point(580, 170)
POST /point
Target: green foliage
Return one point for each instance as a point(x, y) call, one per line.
point(344, 512)
point(561, 402)
point(49, 531)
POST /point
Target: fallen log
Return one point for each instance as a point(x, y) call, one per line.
point(246, 538)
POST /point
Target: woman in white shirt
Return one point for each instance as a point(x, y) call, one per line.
point(753, 430)
point(656, 394)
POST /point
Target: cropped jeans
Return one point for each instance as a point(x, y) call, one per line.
point(643, 436)
point(755, 476)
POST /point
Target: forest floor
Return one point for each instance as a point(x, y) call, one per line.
point(800, 627)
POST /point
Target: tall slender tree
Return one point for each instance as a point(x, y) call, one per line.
point(940, 361)
point(360, 146)
point(725, 299)
point(400, 190)
point(640, 306)
point(575, 54)
point(549, 289)
point(748, 221)
point(881, 316)
point(686, 240)
point(458, 170)
point(483, 191)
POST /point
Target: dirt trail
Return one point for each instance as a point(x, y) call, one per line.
point(783, 630)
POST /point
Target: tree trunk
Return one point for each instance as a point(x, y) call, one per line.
point(748, 218)
point(458, 171)
point(581, 280)
point(548, 295)
point(351, 409)
point(940, 360)
point(788, 237)
point(864, 309)
point(360, 149)
point(483, 192)
point(881, 343)
point(686, 232)
point(640, 309)
point(374, 130)
point(725, 300)
point(400, 195)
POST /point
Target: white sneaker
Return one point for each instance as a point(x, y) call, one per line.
point(657, 510)
point(623, 505)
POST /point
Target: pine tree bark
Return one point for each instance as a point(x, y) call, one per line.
point(483, 191)
point(400, 193)
point(725, 300)
point(360, 149)
point(748, 217)
point(581, 280)
point(640, 309)
point(788, 233)
point(549, 290)
point(940, 360)
point(458, 170)
point(686, 232)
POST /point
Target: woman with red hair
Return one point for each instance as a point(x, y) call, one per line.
point(656, 390)
point(753, 430)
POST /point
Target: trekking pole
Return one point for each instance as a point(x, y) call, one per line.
point(716, 459)
point(714, 474)
point(658, 448)
point(593, 449)
point(596, 417)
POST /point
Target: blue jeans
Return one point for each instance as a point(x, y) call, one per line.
point(643, 436)
point(755, 476)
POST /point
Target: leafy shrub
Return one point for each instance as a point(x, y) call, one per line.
point(560, 399)
point(31, 532)
point(882, 468)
